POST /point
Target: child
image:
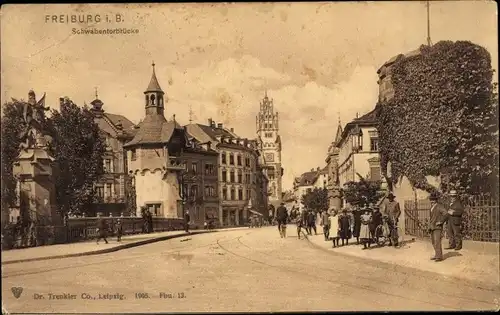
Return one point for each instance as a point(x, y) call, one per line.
point(364, 233)
point(335, 228)
point(298, 221)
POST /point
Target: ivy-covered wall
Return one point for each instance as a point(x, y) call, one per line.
point(443, 119)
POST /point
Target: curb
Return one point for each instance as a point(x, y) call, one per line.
point(110, 250)
point(477, 284)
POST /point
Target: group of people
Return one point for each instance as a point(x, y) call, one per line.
point(361, 223)
point(103, 229)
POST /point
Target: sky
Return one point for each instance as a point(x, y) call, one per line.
point(318, 61)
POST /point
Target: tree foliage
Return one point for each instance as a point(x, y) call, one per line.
point(362, 192)
point(78, 148)
point(316, 200)
point(12, 124)
point(442, 119)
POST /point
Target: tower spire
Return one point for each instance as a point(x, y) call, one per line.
point(96, 94)
point(190, 114)
point(154, 86)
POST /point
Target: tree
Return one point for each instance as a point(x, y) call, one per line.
point(316, 199)
point(363, 192)
point(447, 88)
point(12, 124)
point(131, 195)
point(78, 148)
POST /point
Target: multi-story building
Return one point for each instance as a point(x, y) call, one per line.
point(200, 181)
point(333, 185)
point(322, 178)
point(269, 145)
point(358, 150)
point(304, 184)
point(112, 188)
point(239, 186)
point(154, 157)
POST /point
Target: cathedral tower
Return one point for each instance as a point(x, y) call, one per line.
point(270, 148)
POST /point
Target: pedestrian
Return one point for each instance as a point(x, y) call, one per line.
point(335, 227)
point(145, 221)
point(271, 215)
point(150, 221)
point(299, 223)
point(364, 232)
point(119, 230)
point(345, 222)
point(439, 216)
point(311, 222)
point(187, 219)
point(281, 216)
point(376, 221)
point(454, 224)
point(357, 223)
point(304, 220)
point(325, 222)
point(392, 210)
point(102, 228)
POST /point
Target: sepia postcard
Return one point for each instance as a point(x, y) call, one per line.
point(250, 157)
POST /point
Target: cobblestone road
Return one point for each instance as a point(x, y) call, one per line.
point(241, 270)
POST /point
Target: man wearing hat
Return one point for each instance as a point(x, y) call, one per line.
point(438, 217)
point(281, 216)
point(454, 225)
point(392, 210)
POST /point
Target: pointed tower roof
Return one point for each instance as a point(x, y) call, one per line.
point(154, 86)
point(338, 135)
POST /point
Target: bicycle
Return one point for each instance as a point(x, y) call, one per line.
point(282, 230)
point(383, 234)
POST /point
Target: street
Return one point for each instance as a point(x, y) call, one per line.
point(250, 270)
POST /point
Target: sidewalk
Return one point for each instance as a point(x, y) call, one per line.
point(477, 261)
point(91, 248)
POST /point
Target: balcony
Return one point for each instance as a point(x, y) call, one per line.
point(176, 164)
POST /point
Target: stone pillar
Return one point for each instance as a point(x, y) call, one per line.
point(35, 170)
point(237, 218)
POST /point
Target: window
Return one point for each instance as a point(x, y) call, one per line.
point(240, 194)
point(212, 191)
point(232, 194)
point(224, 193)
point(209, 169)
point(100, 191)
point(155, 209)
point(247, 162)
point(231, 177)
point(207, 191)
point(223, 157)
point(194, 167)
point(373, 144)
point(271, 176)
point(224, 175)
point(134, 155)
point(109, 190)
point(248, 194)
point(185, 191)
point(194, 191)
point(309, 190)
point(240, 177)
point(107, 166)
point(231, 159)
point(247, 178)
point(238, 158)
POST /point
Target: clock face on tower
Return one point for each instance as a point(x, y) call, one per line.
point(269, 157)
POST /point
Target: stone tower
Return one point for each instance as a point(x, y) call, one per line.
point(270, 148)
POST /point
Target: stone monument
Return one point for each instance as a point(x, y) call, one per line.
point(34, 167)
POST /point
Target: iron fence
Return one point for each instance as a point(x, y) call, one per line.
point(480, 221)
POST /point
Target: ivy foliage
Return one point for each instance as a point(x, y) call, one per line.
point(363, 192)
point(442, 120)
point(316, 199)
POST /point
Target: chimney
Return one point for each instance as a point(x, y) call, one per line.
point(312, 169)
point(219, 125)
point(119, 125)
point(317, 169)
point(232, 129)
point(61, 101)
point(210, 122)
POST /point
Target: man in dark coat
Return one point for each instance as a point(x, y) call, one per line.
point(454, 224)
point(102, 229)
point(150, 221)
point(119, 230)
point(187, 218)
point(311, 222)
point(439, 216)
point(281, 215)
point(304, 220)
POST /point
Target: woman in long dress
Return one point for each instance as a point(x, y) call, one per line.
point(334, 228)
point(364, 232)
point(357, 223)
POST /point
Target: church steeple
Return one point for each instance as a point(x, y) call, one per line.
point(154, 96)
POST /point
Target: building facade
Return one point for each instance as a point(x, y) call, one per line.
point(304, 184)
point(358, 150)
point(269, 145)
point(321, 181)
point(154, 157)
point(200, 181)
point(112, 188)
point(238, 173)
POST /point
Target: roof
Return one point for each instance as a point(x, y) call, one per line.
point(213, 132)
point(308, 177)
point(369, 119)
point(410, 54)
point(324, 170)
point(154, 86)
point(154, 129)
